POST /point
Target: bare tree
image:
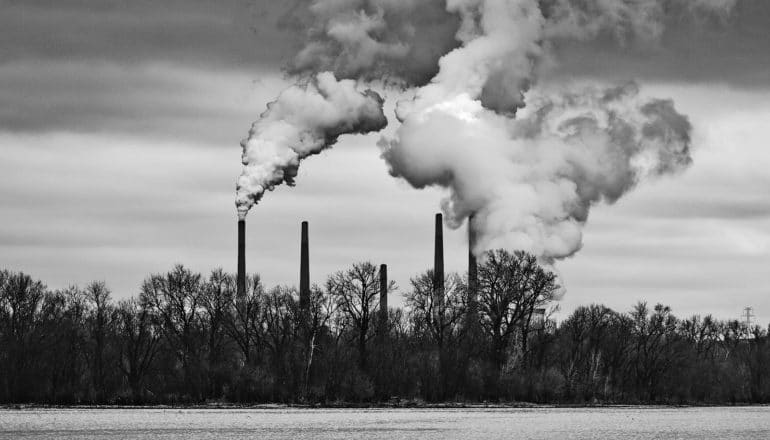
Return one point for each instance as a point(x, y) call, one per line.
point(654, 337)
point(137, 337)
point(64, 336)
point(176, 298)
point(510, 286)
point(283, 327)
point(439, 320)
point(20, 300)
point(97, 296)
point(246, 321)
point(356, 292)
point(281, 310)
point(322, 309)
point(75, 345)
point(216, 298)
point(582, 336)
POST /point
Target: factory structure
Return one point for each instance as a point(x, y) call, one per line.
point(438, 272)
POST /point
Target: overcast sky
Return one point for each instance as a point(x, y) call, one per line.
point(120, 124)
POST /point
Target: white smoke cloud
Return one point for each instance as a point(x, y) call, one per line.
point(302, 121)
point(530, 164)
point(531, 180)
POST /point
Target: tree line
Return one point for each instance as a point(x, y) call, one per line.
point(189, 338)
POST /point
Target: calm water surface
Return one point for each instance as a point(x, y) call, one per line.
point(444, 424)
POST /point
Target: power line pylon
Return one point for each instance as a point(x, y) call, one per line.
point(748, 315)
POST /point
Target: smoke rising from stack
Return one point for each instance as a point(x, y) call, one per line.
point(396, 41)
point(529, 159)
point(531, 180)
point(304, 120)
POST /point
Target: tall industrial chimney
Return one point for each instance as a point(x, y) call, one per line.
point(241, 275)
point(438, 263)
point(304, 272)
point(473, 273)
point(383, 298)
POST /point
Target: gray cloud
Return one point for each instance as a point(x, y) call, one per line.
point(732, 51)
point(155, 99)
point(120, 121)
point(81, 65)
point(153, 67)
point(710, 205)
point(200, 32)
point(267, 34)
point(374, 39)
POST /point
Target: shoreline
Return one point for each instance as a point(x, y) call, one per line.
point(378, 406)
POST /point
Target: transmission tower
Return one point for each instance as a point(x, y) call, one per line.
point(747, 315)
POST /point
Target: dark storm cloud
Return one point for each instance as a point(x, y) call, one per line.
point(733, 51)
point(173, 68)
point(224, 33)
point(92, 66)
point(268, 33)
point(152, 99)
point(119, 123)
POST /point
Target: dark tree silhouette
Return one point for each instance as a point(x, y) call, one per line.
point(177, 299)
point(137, 338)
point(440, 324)
point(510, 286)
point(99, 322)
point(356, 291)
point(20, 297)
point(189, 339)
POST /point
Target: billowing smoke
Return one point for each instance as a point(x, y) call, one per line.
point(628, 21)
point(530, 180)
point(302, 121)
point(397, 41)
point(529, 162)
point(528, 159)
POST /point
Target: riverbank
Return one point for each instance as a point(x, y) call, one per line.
point(381, 405)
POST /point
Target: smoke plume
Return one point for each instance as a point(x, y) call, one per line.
point(528, 159)
point(529, 162)
point(302, 121)
point(531, 180)
point(628, 21)
point(384, 40)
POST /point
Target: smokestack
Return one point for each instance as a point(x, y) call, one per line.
point(438, 262)
point(241, 276)
point(473, 270)
point(304, 272)
point(383, 297)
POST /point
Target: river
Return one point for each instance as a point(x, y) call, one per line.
point(439, 424)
